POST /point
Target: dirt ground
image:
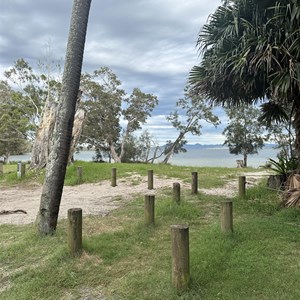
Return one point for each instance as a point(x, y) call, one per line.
point(95, 198)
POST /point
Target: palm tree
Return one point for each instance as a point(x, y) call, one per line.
point(251, 52)
point(57, 163)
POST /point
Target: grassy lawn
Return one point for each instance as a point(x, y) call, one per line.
point(124, 259)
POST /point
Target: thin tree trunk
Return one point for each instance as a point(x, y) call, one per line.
point(114, 154)
point(76, 133)
point(154, 154)
point(297, 132)
point(124, 140)
point(58, 159)
point(171, 152)
point(245, 160)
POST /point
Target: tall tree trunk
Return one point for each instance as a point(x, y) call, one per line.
point(58, 159)
point(154, 154)
point(245, 159)
point(76, 133)
point(43, 138)
point(171, 152)
point(44, 134)
point(296, 124)
point(114, 154)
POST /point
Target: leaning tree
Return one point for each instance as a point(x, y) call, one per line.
point(58, 159)
point(251, 52)
point(194, 111)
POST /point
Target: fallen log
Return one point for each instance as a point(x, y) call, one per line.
point(17, 211)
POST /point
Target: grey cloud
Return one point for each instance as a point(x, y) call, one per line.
point(149, 44)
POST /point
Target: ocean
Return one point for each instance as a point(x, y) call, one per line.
point(220, 157)
point(197, 156)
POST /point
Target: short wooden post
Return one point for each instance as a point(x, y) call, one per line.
point(79, 174)
point(149, 209)
point(21, 170)
point(242, 186)
point(176, 192)
point(150, 179)
point(114, 177)
point(1, 168)
point(194, 183)
point(75, 231)
point(226, 217)
point(180, 257)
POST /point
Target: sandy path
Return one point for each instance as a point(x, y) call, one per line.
point(93, 198)
point(97, 198)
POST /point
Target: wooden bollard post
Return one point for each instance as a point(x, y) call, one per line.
point(149, 209)
point(226, 217)
point(79, 174)
point(180, 257)
point(242, 186)
point(75, 231)
point(194, 183)
point(150, 179)
point(1, 168)
point(21, 170)
point(176, 192)
point(114, 177)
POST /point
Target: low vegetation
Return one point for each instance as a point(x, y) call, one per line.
point(124, 259)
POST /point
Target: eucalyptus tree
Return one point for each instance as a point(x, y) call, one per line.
point(39, 101)
point(139, 106)
point(251, 52)
point(30, 85)
point(106, 104)
point(192, 110)
point(58, 159)
point(14, 123)
point(102, 102)
point(244, 133)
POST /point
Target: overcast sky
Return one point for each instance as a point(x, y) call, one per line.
point(149, 44)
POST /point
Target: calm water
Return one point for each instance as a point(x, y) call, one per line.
point(220, 157)
point(199, 157)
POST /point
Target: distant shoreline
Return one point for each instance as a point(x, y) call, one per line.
point(196, 156)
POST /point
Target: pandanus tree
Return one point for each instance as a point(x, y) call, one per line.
point(251, 53)
point(58, 159)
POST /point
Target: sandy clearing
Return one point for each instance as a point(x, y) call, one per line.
point(97, 198)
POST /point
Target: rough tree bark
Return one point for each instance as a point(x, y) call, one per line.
point(44, 135)
point(43, 138)
point(296, 124)
point(58, 159)
point(76, 133)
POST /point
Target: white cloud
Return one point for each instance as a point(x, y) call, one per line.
point(149, 44)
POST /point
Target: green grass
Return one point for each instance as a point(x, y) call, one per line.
point(95, 172)
point(10, 177)
point(124, 259)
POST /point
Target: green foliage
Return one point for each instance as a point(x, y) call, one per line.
point(284, 165)
point(102, 102)
point(14, 124)
point(34, 88)
point(22, 104)
point(244, 133)
point(195, 110)
point(106, 104)
point(251, 52)
point(11, 178)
